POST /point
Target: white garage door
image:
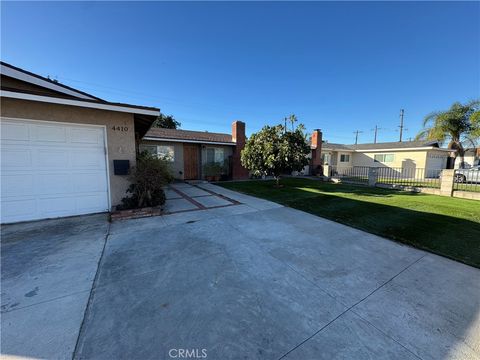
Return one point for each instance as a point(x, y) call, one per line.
point(51, 170)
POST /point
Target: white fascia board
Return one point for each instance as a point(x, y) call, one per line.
point(337, 150)
point(19, 75)
point(404, 149)
point(84, 104)
point(188, 141)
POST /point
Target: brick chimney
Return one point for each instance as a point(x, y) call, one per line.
point(316, 146)
point(238, 136)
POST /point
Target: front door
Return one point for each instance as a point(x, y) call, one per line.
point(190, 161)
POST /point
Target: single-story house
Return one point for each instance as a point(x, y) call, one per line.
point(63, 151)
point(191, 152)
point(471, 158)
point(420, 158)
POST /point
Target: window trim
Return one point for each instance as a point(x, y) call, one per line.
point(215, 149)
point(344, 157)
point(384, 158)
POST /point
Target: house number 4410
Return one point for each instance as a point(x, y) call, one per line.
point(120, 128)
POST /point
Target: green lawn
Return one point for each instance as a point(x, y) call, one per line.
point(443, 225)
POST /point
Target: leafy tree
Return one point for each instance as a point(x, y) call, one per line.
point(458, 125)
point(274, 151)
point(166, 122)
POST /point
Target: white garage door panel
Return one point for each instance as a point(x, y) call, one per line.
point(16, 158)
point(86, 136)
point(88, 204)
point(437, 161)
point(62, 183)
point(17, 185)
point(89, 183)
point(51, 170)
point(50, 133)
point(14, 131)
point(51, 158)
point(87, 159)
point(22, 209)
point(57, 206)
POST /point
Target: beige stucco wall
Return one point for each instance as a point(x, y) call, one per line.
point(120, 144)
point(343, 164)
point(403, 159)
point(470, 159)
point(177, 165)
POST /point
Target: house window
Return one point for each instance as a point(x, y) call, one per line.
point(215, 155)
point(344, 158)
point(165, 152)
point(384, 157)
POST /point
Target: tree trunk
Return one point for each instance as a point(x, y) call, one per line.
point(277, 179)
point(460, 151)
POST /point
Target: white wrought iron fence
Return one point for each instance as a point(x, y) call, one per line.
point(409, 177)
point(467, 180)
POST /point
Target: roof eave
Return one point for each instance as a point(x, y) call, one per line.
point(81, 103)
point(35, 79)
point(165, 139)
point(422, 148)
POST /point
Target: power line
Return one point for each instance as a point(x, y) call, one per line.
point(155, 98)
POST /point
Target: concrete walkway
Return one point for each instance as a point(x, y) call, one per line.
point(252, 280)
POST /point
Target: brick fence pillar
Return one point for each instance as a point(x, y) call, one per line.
point(447, 179)
point(239, 137)
point(316, 146)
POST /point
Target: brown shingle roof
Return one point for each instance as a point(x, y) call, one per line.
point(395, 145)
point(197, 136)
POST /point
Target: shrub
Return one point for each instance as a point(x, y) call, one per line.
point(148, 179)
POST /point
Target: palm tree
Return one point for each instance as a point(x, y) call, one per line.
point(458, 125)
point(293, 119)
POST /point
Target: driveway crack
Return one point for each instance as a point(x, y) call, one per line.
point(90, 297)
point(358, 302)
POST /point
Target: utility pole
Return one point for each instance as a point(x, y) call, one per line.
point(401, 124)
point(285, 130)
point(356, 132)
point(376, 131)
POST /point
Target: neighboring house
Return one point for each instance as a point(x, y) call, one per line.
point(190, 151)
point(60, 145)
point(424, 157)
point(471, 158)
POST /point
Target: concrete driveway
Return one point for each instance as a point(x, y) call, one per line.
point(249, 280)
